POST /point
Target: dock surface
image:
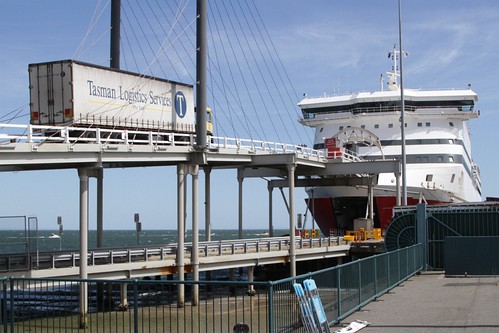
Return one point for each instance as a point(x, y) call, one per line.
point(431, 302)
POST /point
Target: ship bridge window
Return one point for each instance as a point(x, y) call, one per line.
point(440, 159)
point(451, 159)
point(452, 178)
point(427, 124)
point(341, 128)
point(451, 124)
point(362, 126)
point(390, 125)
point(420, 124)
point(429, 178)
point(376, 125)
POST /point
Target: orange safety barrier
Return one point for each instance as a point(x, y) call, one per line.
point(309, 233)
point(348, 238)
point(362, 235)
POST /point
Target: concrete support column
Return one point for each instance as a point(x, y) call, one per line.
point(292, 250)
point(370, 191)
point(100, 207)
point(123, 296)
point(232, 277)
point(271, 221)
point(207, 203)
point(240, 179)
point(83, 175)
point(180, 233)
point(398, 199)
point(195, 234)
point(251, 272)
point(313, 209)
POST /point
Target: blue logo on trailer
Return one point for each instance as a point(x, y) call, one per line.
point(180, 104)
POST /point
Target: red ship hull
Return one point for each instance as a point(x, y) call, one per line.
point(335, 215)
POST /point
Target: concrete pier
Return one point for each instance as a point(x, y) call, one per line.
point(430, 302)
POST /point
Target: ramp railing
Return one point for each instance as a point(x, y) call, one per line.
point(53, 305)
point(40, 134)
point(344, 289)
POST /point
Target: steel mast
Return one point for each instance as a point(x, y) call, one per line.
point(201, 73)
point(402, 112)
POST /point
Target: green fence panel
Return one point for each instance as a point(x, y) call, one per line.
point(53, 305)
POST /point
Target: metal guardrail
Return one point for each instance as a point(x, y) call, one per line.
point(52, 305)
point(63, 259)
point(39, 134)
point(345, 288)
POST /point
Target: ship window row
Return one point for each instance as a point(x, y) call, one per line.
point(390, 125)
point(429, 178)
point(422, 142)
point(385, 143)
point(431, 158)
point(389, 106)
point(436, 158)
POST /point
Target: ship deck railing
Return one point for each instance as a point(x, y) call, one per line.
point(311, 114)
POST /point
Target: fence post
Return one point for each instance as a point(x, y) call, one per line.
point(338, 286)
point(375, 276)
point(388, 270)
point(271, 307)
point(399, 265)
point(12, 307)
point(3, 306)
point(360, 282)
point(135, 308)
point(407, 262)
point(29, 138)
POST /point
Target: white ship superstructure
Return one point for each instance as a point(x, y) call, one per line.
point(440, 168)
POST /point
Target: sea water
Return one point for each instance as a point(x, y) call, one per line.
point(21, 241)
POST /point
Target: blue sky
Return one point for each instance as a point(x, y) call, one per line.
point(326, 46)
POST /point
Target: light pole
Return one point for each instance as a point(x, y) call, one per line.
point(61, 231)
point(138, 226)
point(402, 113)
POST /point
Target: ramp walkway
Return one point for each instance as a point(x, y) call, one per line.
point(430, 302)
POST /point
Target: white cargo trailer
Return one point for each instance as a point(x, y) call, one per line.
point(73, 93)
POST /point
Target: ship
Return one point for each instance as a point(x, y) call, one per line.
point(367, 125)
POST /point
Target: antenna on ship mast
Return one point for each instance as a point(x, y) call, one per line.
point(396, 68)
